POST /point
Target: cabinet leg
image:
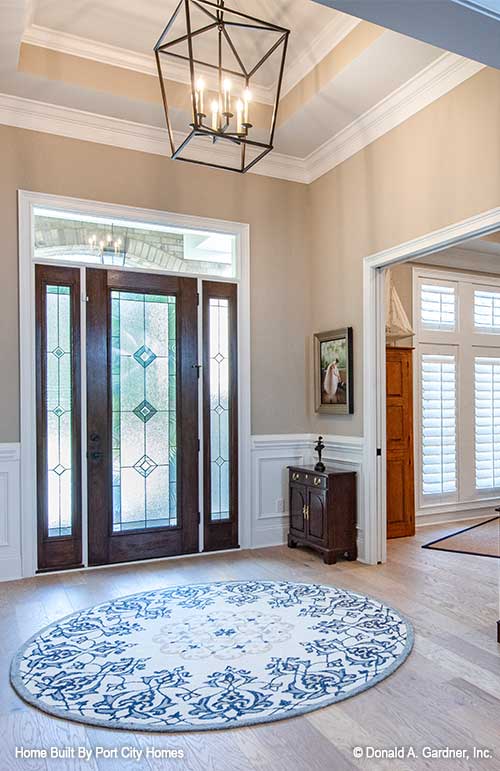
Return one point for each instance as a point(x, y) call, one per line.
point(291, 543)
point(329, 558)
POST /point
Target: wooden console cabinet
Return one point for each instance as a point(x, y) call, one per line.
point(323, 511)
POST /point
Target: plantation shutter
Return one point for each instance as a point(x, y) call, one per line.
point(486, 310)
point(438, 425)
point(438, 306)
point(487, 421)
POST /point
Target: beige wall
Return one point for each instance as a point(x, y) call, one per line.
point(277, 214)
point(307, 243)
point(439, 167)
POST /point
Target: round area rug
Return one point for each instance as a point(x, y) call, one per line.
point(218, 655)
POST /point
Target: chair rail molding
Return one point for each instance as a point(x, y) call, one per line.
point(271, 455)
point(10, 512)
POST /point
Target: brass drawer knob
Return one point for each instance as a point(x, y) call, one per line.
point(317, 481)
point(295, 476)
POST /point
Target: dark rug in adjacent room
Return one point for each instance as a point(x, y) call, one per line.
point(483, 540)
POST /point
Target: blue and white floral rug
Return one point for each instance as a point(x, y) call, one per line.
point(214, 655)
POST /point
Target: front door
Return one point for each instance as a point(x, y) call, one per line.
point(119, 377)
point(142, 415)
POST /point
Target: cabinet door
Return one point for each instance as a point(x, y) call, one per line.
point(298, 500)
point(316, 515)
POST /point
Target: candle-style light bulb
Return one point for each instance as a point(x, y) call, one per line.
point(239, 117)
point(109, 238)
point(200, 89)
point(215, 114)
point(101, 245)
point(247, 98)
point(227, 95)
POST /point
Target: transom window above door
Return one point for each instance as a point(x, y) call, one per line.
point(70, 237)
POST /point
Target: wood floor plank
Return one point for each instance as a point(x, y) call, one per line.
point(447, 693)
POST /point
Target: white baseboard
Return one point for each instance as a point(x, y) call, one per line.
point(271, 454)
point(449, 517)
point(10, 512)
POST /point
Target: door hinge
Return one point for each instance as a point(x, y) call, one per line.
point(197, 298)
point(379, 451)
point(199, 445)
point(197, 367)
point(199, 517)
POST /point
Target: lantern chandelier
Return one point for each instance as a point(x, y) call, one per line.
point(233, 65)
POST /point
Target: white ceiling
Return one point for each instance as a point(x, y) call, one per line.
point(137, 26)
point(378, 87)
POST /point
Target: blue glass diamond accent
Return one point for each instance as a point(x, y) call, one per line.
point(145, 411)
point(58, 352)
point(144, 356)
point(145, 466)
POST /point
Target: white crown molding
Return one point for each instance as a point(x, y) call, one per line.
point(91, 127)
point(328, 39)
point(433, 82)
point(74, 45)
point(447, 72)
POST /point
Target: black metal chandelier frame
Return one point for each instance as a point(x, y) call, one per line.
point(217, 13)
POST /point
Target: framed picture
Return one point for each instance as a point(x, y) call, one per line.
point(333, 375)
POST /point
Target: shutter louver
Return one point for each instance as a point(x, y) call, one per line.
point(487, 310)
point(487, 422)
point(439, 454)
point(437, 307)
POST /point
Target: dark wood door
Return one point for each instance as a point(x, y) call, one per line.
point(400, 469)
point(316, 513)
point(142, 416)
point(298, 503)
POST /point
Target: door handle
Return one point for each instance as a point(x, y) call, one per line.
point(305, 512)
point(96, 455)
point(94, 437)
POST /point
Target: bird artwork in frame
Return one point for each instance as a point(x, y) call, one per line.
point(333, 376)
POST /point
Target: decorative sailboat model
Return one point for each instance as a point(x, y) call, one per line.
point(397, 324)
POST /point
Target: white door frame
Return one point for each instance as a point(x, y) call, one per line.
point(26, 202)
point(374, 406)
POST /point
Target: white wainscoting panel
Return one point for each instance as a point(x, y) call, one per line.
point(271, 454)
point(10, 512)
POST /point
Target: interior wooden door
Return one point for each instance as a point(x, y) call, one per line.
point(142, 416)
point(400, 467)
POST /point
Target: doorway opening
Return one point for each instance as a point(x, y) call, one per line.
point(375, 363)
point(134, 336)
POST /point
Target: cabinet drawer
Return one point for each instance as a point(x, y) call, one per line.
point(310, 479)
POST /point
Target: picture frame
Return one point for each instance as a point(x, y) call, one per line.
point(333, 372)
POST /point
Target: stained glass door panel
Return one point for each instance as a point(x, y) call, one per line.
point(220, 397)
point(58, 418)
point(142, 415)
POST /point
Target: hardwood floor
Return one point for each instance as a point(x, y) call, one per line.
point(447, 693)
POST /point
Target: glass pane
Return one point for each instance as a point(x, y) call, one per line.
point(59, 408)
point(143, 377)
point(220, 408)
point(96, 240)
